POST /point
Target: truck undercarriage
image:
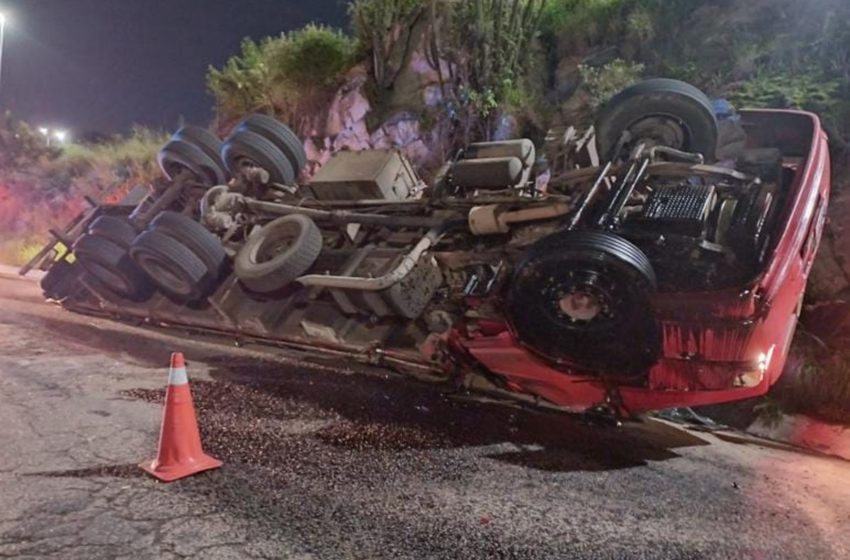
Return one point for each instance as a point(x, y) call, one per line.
point(638, 281)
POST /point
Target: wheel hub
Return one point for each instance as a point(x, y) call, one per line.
point(275, 245)
point(659, 130)
point(585, 298)
point(580, 305)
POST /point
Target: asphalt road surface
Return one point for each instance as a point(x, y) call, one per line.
point(325, 463)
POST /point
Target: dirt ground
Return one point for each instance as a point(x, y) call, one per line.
point(325, 463)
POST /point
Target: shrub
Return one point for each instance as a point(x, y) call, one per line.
point(21, 146)
point(586, 16)
point(49, 191)
point(140, 147)
point(283, 74)
point(91, 168)
point(821, 389)
point(641, 25)
point(602, 82)
point(313, 57)
point(240, 86)
point(777, 88)
point(597, 22)
point(373, 19)
point(17, 252)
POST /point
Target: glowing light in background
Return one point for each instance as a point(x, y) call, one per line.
point(59, 136)
point(2, 37)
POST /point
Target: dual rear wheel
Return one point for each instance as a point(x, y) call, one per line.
point(175, 254)
point(180, 256)
point(185, 261)
point(263, 142)
point(259, 141)
point(103, 253)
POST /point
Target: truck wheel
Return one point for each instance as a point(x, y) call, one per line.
point(111, 265)
point(114, 228)
point(172, 266)
point(208, 142)
point(280, 252)
point(61, 280)
point(582, 297)
point(657, 112)
point(245, 149)
point(206, 245)
point(178, 155)
point(281, 136)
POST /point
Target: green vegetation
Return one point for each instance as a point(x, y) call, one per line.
point(383, 30)
point(761, 53)
point(586, 24)
point(491, 44)
point(482, 51)
point(495, 57)
point(89, 169)
point(584, 21)
point(313, 57)
point(19, 251)
point(287, 75)
point(239, 86)
point(121, 155)
point(821, 388)
point(372, 18)
point(813, 91)
point(21, 146)
point(43, 187)
point(602, 82)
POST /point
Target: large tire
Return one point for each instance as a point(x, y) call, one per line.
point(208, 142)
point(659, 112)
point(582, 297)
point(111, 265)
point(114, 228)
point(172, 266)
point(248, 149)
point(280, 252)
point(179, 154)
point(281, 136)
point(206, 245)
point(61, 280)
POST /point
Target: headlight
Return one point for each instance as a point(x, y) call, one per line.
point(753, 376)
point(764, 359)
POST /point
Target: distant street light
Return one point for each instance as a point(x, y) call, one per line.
point(2, 37)
point(59, 135)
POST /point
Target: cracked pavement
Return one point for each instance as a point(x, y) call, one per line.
point(325, 463)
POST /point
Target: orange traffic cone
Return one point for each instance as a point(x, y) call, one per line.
point(180, 454)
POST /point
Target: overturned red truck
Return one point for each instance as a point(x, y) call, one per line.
point(662, 265)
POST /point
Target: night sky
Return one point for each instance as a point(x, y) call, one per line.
point(104, 65)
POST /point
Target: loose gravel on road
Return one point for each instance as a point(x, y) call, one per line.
point(323, 463)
